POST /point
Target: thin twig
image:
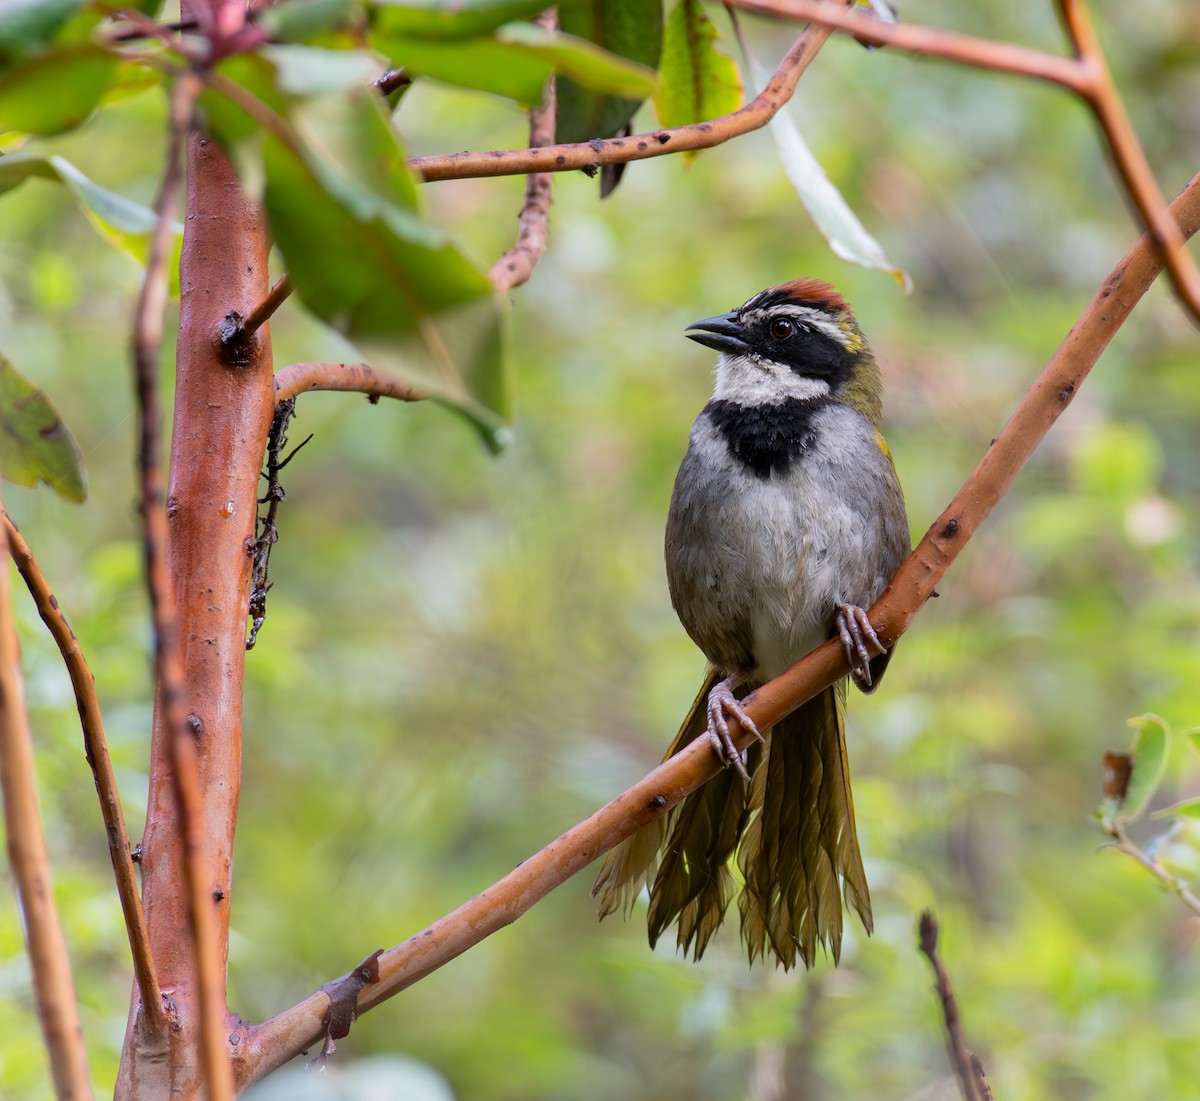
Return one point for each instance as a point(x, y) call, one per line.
point(168, 664)
point(264, 1047)
point(53, 986)
point(235, 329)
point(96, 751)
point(592, 154)
point(967, 1066)
point(392, 81)
point(1121, 842)
point(516, 266)
point(298, 378)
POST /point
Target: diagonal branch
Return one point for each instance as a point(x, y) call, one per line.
point(168, 663)
point(96, 749)
point(53, 986)
point(591, 154)
point(264, 1047)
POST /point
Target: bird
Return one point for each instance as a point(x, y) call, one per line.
point(786, 521)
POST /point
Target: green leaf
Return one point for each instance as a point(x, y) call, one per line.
point(306, 70)
point(55, 91)
point(1151, 743)
point(437, 19)
point(301, 20)
point(35, 446)
point(517, 61)
point(119, 220)
point(1188, 808)
point(1193, 736)
point(30, 25)
point(628, 28)
point(698, 83)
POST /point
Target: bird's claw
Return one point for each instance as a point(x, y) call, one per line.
point(723, 705)
point(858, 638)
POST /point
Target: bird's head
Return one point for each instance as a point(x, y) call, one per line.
point(797, 340)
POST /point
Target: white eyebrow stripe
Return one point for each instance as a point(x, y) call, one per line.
point(805, 315)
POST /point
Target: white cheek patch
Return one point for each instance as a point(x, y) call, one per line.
point(751, 381)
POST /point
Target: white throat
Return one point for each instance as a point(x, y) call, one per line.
point(748, 380)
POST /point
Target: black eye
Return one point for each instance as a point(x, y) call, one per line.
point(782, 328)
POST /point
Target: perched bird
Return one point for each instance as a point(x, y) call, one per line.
point(787, 520)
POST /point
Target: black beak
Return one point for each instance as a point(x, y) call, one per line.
point(723, 333)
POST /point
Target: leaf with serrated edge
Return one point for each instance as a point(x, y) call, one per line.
point(35, 445)
point(697, 81)
point(1151, 744)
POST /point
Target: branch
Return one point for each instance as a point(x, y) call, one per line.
point(236, 330)
point(967, 1066)
point(1086, 74)
point(264, 1047)
point(53, 987)
point(168, 662)
point(298, 378)
point(516, 266)
point(1122, 844)
point(96, 749)
point(592, 154)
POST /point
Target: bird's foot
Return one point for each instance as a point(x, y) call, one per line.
point(859, 641)
point(723, 705)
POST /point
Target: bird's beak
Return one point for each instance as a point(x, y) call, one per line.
point(723, 333)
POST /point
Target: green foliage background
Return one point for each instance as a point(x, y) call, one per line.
point(465, 654)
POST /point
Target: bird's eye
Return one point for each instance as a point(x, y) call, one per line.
point(782, 328)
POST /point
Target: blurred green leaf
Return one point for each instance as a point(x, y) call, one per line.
point(35, 445)
point(1120, 462)
point(299, 20)
point(436, 19)
point(1187, 808)
point(30, 25)
point(516, 62)
point(119, 220)
point(55, 91)
point(1151, 744)
point(1193, 736)
point(628, 28)
point(697, 82)
point(307, 70)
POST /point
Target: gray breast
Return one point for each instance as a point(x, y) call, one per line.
point(757, 562)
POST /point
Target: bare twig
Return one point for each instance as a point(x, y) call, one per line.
point(1121, 842)
point(147, 335)
point(392, 81)
point(967, 1066)
point(96, 749)
point(298, 378)
point(264, 1047)
point(516, 266)
point(592, 154)
point(235, 330)
point(53, 986)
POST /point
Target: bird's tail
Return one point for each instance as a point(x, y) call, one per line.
point(801, 846)
point(793, 828)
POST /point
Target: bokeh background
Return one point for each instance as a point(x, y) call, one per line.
point(466, 654)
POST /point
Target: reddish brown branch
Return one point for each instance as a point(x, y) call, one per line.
point(238, 329)
point(967, 1066)
point(96, 749)
point(516, 266)
point(298, 378)
point(53, 986)
point(264, 1047)
point(168, 662)
point(592, 154)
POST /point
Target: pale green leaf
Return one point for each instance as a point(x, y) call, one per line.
point(55, 91)
point(1151, 744)
point(1187, 808)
